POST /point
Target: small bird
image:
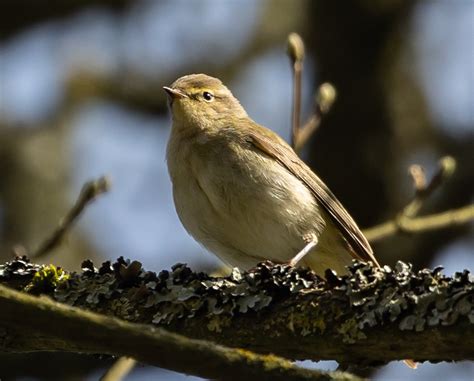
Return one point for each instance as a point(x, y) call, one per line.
point(243, 193)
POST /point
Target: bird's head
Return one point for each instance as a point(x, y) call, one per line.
point(202, 101)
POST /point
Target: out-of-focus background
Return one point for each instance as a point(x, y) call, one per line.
point(80, 96)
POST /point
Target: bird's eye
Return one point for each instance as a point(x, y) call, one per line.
point(207, 96)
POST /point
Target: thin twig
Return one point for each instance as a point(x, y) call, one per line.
point(423, 190)
point(325, 98)
point(119, 370)
point(417, 173)
point(296, 54)
point(89, 193)
point(297, 69)
point(406, 222)
point(436, 221)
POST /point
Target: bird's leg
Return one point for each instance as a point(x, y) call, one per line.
point(311, 243)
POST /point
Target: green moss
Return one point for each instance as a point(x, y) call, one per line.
point(46, 279)
point(350, 331)
point(270, 362)
point(216, 323)
point(306, 321)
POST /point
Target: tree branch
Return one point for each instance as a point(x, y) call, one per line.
point(295, 50)
point(324, 99)
point(70, 328)
point(436, 221)
point(119, 370)
point(367, 317)
point(325, 96)
point(406, 222)
point(89, 192)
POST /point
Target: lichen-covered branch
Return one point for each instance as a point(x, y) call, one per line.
point(371, 316)
point(69, 328)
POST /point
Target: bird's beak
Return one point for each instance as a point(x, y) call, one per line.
point(174, 93)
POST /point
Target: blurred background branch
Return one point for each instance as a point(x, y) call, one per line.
point(119, 370)
point(405, 221)
point(90, 191)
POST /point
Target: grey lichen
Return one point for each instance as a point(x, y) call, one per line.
point(184, 294)
point(414, 299)
point(19, 271)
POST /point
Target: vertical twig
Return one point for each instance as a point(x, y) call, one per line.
point(296, 53)
point(325, 96)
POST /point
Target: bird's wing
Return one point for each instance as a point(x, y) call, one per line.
point(263, 140)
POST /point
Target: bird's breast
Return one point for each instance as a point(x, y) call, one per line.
point(239, 203)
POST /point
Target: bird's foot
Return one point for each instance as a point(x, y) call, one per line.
point(312, 241)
